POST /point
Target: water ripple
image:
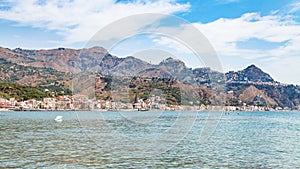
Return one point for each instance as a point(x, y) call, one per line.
point(35, 140)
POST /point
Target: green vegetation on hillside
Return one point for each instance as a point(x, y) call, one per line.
point(34, 76)
point(20, 93)
point(126, 89)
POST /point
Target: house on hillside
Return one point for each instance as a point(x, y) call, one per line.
point(4, 103)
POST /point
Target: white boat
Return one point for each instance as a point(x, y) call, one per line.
point(58, 119)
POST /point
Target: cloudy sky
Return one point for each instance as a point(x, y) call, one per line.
point(242, 32)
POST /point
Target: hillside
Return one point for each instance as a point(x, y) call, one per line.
point(34, 76)
point(124, 89)
point(253, 96)
point(54, 69)
point(20, 93)
point(61, 59)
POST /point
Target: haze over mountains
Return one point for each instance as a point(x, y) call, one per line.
point(53, 69)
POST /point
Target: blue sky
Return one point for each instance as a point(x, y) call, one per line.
point(242, 32)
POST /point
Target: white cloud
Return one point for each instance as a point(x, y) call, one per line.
point(224, 34)
point(285, 70)
point(172, 44)
point(78, 20)
point(295, 7)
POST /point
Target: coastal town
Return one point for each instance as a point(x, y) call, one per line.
point(38, 85)
point(154, 103)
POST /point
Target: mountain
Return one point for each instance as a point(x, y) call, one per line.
point(128, 66)
point(172, 66)
point(54, 69)
point(35, 76)
point(251, 79)
point(250, 74)
point(61, 59)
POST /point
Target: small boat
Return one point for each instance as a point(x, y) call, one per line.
point(58, 119)
point(143, 109)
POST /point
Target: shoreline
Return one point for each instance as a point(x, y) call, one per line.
point(132, 110)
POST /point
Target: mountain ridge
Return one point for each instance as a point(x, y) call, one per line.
point(62, 61)
point(67, 59)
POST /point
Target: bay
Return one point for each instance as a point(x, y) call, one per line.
point(149, 140)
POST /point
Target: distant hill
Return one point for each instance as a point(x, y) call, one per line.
point(35, 76)
point(250, 74)
point(54, 69)
point(61, 59)
point(253, 96)
point(20, 92)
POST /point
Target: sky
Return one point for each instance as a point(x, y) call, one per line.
point(242, 32)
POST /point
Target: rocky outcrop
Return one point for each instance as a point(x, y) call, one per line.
point(253, 96)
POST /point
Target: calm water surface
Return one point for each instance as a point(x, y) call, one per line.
point(244, 140)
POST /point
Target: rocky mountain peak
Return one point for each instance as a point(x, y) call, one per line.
point(171, 65)
point(130, 57)
point(172, 60)
point(251, 74)
point(253, 68)
point(255, 74)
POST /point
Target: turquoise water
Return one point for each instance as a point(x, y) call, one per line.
point(244, 140)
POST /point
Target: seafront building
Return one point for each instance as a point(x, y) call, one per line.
point(84, 103)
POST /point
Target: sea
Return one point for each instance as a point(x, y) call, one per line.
point(149, 139)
